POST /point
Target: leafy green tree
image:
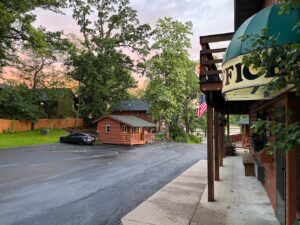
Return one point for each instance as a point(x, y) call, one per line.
point(203, 123)
point(163, 104)
point(167, 70)
point(103, 65)
point(16, 25)
point(191, 95)
point(42, 66)
point(17, 102)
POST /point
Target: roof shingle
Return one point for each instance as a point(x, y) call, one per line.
point(131, 105)
point(132, 121)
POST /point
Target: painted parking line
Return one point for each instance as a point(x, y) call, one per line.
point(9, 165)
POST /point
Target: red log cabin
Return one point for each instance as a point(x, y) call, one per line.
point(126, 130)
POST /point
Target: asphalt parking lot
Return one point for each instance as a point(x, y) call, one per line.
point(66, 184)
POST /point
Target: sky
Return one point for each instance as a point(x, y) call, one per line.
point(208, 17)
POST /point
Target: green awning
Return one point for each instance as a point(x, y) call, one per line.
point(278, 25)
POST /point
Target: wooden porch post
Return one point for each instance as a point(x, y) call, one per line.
point(221, 141)
point(291, 187)
point(216, 145)
point(291, 165)
point(210, 154)
point(228, 128)
point(243, 136)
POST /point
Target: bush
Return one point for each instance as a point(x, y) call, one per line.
point(194, 139)
point(160, 137)
point(179, 135)
point(182, 138)
point(8, 131)
point(175, 132)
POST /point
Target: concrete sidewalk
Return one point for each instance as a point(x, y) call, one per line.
point(240, 200)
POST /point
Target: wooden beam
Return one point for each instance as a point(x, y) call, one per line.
point(213, 61)
point(211, 72)
point(210, 154)
point(204, 87)
point(217, 151)
point(207, 57)
point(209, 51)
point(216, 38)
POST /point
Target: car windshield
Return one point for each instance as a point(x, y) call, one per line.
point(76, 134)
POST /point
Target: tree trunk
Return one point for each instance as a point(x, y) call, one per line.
point(32, 126)
point(177, 120)
point(167, 131)
point(36, 73)
point(174, 121)
point(187, 127)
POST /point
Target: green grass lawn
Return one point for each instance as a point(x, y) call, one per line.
point(30, 138)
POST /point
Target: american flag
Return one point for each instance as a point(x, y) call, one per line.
point(202, 107)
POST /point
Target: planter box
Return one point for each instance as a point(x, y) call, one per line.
point(249, 169)
point(265, 157)
point(249, 165)
point(229, 151)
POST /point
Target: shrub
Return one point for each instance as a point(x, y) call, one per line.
point(8, 131)
point(160, 137)
point(194, 139)
point(175, 132)
point(182, 138)
point(179, 135)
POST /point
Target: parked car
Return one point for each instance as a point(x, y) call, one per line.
point(78, 138)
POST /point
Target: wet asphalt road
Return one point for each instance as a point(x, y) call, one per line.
point(64, 184)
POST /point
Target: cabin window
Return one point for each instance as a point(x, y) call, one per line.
point(138, 114)
point(124, 129)
point(107, 128)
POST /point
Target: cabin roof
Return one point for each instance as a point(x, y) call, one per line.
point(131, 105)
point(131, 121)
point(244, 121)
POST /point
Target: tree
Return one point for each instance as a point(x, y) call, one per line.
point(163, 104)
point(16, 25)
point(203, 123)
point(42, 66)
point(17, 102)
point(104, 63)
point(191, 95)
point(167, 70)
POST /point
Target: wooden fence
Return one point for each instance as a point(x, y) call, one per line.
point(24, 125)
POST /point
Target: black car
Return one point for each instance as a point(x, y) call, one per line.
point(78, 138)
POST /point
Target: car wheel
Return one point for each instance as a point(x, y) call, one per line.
point(81, 142)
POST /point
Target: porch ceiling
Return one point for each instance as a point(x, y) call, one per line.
point(217, 101)
point(243, 9)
